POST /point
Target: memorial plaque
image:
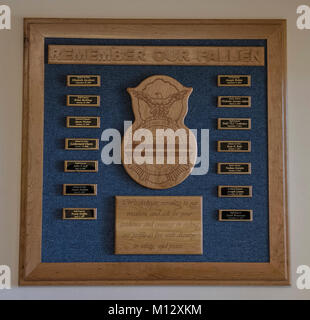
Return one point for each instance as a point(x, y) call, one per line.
point(81, 144)
point(79, 100)
point(234, 168)
point(83, 81)
point(234, 101)
point(235, 191)
point(234, 146)
point(235, 215)
point(234, 80)
point(158, 225)
point(83, 122)
point(81, 166)
point(234, 124)
point(79, 213)
point(79, 189)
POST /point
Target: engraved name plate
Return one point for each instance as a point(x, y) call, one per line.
point(83, 81)
point(81, 166)
point(234, 80)
point(234, 168)
point(234, 124)
point(158, 225)
point(81, 144)
point(79, 189)
point(83, 122)
point(234, 101)
point(235, 191)
point(79, 213)
point(79, 100)
point(235, 215)
point(234, 146)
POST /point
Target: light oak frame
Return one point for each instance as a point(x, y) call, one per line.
point(33, 272)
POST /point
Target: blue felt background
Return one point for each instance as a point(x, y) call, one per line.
point(93, 241)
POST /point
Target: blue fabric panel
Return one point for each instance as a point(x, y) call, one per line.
point(93, 241)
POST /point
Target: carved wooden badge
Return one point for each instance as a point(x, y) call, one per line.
point(158, 150)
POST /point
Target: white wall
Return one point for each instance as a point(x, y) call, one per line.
point(11, 57)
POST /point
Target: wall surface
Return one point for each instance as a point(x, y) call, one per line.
point(298, 117)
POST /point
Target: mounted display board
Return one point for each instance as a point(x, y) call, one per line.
point(154, 152)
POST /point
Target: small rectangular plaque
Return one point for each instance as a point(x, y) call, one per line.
point(234, 80)
point(234, 168)
point(234, 101)
point(235, 215)
point(79, 213)
point(81, 144)
point(79, 100)
point(83, 81)
point(158, 225)
point(234, 124)
point(234, 146)
point(235, 191)
point(81, 166)
point(79, 189)
point(83, 122)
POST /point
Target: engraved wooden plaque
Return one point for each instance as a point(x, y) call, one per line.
point(160, 106)
point(158, 225)
point(34, 270)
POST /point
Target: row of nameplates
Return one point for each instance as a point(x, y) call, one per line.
point(81, 144)
point(93, 144)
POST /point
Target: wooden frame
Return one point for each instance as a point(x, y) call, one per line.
point(33, 272)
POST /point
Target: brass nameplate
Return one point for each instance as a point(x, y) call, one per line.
point(234, 146)
point(83, 122)
point(156, 55)
point(79, 189)
point(235, 215)
point(158, 225)
point(234, 101)
point(234, 81)
point(81, 144)
point(79, 213)
point(234, 168)
point(80, 100)
point(81, 166)
point(235, 191)
point(83, 81)
point(234, 124)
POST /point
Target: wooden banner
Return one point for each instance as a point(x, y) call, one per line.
point(156, 55)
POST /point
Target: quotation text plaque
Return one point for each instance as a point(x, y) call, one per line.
point(158, 225)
